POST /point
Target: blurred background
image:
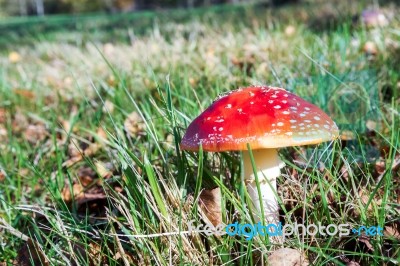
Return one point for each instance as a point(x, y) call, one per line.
point(43, 7)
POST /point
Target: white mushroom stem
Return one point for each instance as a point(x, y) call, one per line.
point(268, 166)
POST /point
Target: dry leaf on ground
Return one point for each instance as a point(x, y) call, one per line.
point(210, 205)
point(30, 254)
point(35, 133)
point(392, 231)
point(134, 124)
point(287, 257)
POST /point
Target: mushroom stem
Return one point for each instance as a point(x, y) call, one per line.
point(268, 166)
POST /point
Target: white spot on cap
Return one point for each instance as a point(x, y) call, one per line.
point(317, 118)
point(306, 108)
point(277, 107)
point(289, 133)
point(284, 101)
point(293, 127)
point(228, 106)
point(252, 94)
point(220, 120)
point(292, 121)
point(251, 102)
point(280, 124)
point(274, 96)
point(307, 121)
point(302, 114)
point(293, 108)
point(326, 126)
point(221, 128)
point(285, 112)
point(270, 101)
point(316, 125)
point(285, 95)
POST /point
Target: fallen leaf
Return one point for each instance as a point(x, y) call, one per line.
point(210, 205)
point(365, 240)
point(371, 125)
point(392, 230)
point(169, 142)
point(31, 254)
point(28, 94)
point(77, 154)
point(19, 122)
point(86, 176)
point(352, 263)
point(35, 133)
point(101, 133)
point(134, 124)
point(287, 257)
point(108, 107)
point(103, 170)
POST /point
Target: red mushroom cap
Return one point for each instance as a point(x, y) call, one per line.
point(265, 117)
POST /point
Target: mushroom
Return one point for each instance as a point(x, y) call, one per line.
point(266, 118)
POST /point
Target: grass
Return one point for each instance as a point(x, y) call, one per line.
point(91, 169)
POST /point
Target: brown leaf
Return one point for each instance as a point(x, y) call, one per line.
point(77, 154)
point(365, 240)
point(19, 122)
point(30, 254)
point(103, 169)
point(210, 205)
point(392, 231)
point(86, 176)
point(108, 107)
point(28, 94)
point(35, 133)
point(352, 263)
point(287, 257)
point(102, 134)
point(134, 124)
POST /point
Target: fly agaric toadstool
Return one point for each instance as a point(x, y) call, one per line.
point(266, 118)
